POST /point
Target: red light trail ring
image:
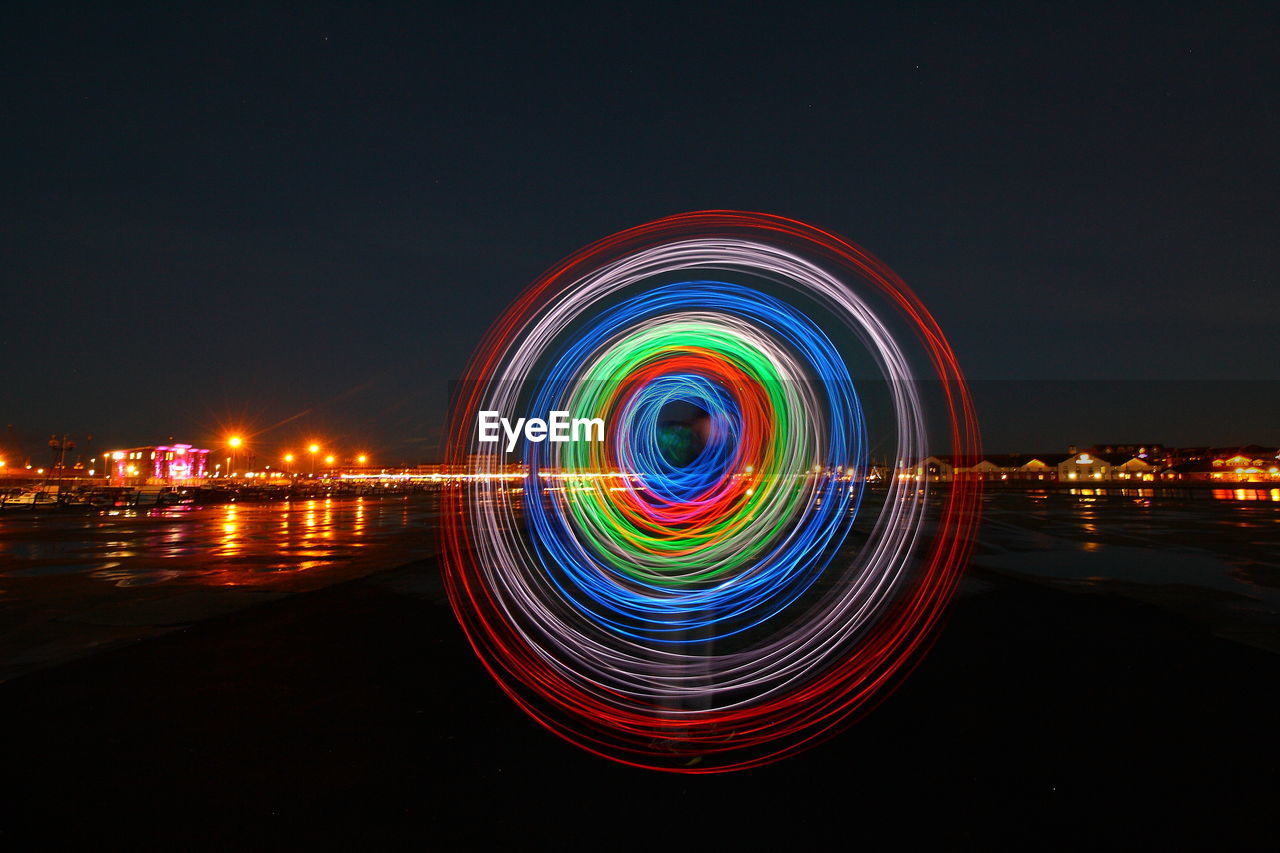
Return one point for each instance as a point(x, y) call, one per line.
point(543, 589)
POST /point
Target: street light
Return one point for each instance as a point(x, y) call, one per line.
point(313, 450)
point(234, 443)
point(59, 446)
point(362, 459)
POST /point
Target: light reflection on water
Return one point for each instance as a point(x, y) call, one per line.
point(1087, 536)
point(1214, 557)
point(69, 581)
point(1247, 494)
point(257, 545)
point(1252, 493)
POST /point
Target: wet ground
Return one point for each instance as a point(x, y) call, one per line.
point(1212, 557)
point(356, 717)
point(1104, 679)
point(72, 584)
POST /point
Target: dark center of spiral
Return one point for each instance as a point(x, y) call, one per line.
point(683, 429)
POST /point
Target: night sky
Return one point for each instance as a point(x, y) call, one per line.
point(298, 224)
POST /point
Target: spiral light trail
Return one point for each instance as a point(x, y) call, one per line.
point(705, 612)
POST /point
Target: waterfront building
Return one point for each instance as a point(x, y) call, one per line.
point(937, 469)
point(1249, 464)
point(158, 465)
point(994, 467)
point(1083, 466)
point(1022, 466)
point(1040, 466)
point(1135, 468)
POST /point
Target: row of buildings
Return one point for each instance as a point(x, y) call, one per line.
point(1111, 463)
point(184, 464)
point(1116, 463)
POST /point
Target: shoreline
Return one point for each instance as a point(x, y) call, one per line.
point(357, 712)
point(1119, 486)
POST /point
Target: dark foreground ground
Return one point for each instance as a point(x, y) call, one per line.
point(356, 715)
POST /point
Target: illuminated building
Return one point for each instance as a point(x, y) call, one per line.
point(1083, 467)
point(164, 465)
point(991, 467)
point(1135, 468)
point(1249, 464)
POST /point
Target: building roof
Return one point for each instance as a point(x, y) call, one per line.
point(1017, 460)
point(1004, 460)
point(1093, 457)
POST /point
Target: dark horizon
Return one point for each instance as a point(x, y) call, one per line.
point(1243, 406)
point(297, 226)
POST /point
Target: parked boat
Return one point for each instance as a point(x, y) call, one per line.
point(30, 499)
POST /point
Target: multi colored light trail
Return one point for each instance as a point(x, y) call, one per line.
point(706, 610)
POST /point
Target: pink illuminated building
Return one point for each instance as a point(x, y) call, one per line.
point(167, 465)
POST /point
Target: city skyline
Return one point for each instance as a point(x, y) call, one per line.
point(1015, 416)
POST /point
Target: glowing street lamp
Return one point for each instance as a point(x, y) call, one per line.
point(233, 443)
point(313, 450)
point(362, 459)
